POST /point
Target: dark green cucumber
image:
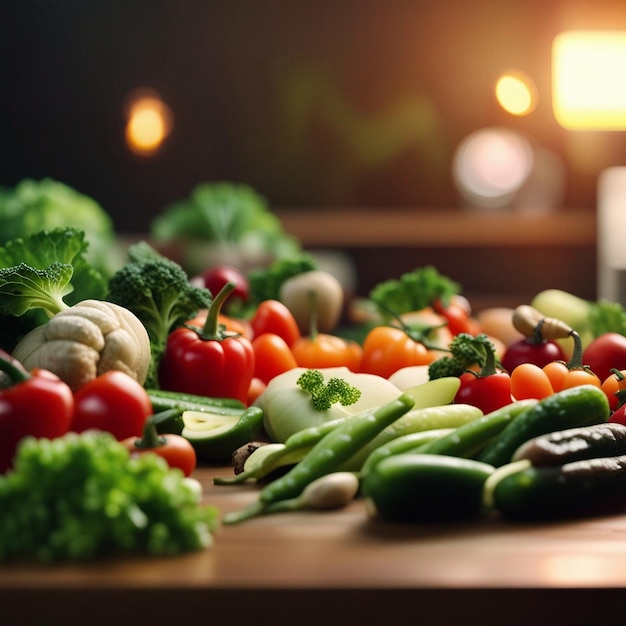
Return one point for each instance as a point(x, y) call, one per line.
point(578, 406)
point(426, 488)
point(581, 488)
point(162, 400)
point(574, 444)
point(470, 438)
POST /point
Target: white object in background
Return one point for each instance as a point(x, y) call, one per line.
point(612, 234)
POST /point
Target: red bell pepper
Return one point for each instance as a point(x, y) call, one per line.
point(36, 403)
point(208, 361)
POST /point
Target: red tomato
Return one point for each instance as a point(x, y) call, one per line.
point(272, 356)
point(457, 314)
point(488, 393)
point(176, 450)
point(272, 316)
point(604, 353)
point(114, 402)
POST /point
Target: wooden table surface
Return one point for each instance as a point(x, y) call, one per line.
point(341, 567)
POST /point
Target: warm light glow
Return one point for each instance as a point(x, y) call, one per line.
point(491, 165)
point(589, 80)
point(516, 94)
point(149, 122)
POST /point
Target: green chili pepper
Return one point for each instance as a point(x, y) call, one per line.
point(326, 456)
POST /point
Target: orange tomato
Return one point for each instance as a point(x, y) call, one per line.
point(325, 350)
point(562, 377)
point(530, 381)
point(612, 385)
point(272, 356)
point(387, 349)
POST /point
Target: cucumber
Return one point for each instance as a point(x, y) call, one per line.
point(162, 400)
point(216, 436)
point(573, 490)
point(425, 488)
point(577, 406)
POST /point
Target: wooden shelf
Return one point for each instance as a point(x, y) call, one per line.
point(394, 227)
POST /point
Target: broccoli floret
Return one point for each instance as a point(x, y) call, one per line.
point(413, 291)
point(157, 290)
point(265, 283)
point(466, 351)
point(324, 395)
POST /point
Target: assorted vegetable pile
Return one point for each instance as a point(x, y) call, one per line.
point(115, 386)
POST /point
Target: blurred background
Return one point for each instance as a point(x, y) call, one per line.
point(316, 105)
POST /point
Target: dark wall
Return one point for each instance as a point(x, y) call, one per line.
point(313, 103)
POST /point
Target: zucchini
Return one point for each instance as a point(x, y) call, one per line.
point(425, 488)
point(577, 406)
point(581, 488)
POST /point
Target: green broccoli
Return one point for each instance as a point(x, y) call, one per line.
point(157, 290)
point(324, 395)
point(466, 351)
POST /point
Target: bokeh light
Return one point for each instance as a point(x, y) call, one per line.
point(516, 93)
point(148, 122)
point(589, 80)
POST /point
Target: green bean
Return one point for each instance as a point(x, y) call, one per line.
point(326, 456)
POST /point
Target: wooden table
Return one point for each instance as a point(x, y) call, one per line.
point(341, 568)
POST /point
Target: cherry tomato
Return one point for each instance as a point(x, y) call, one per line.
point(114, 402)
point(456, 315)
point(272, 316)
point(606, 352)
point(176, 450)
point(612, 385)
point(530, 381)
point(386, 349)
point(216, 277)
point(256, 388)
point(488, 393)
point(619, 415)
point(272, 356)
point(326, 350)
point(527, 351)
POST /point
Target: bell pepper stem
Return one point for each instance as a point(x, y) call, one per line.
point(211, 328)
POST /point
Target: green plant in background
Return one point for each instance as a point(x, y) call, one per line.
point(234, 219)
point(32, 206)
